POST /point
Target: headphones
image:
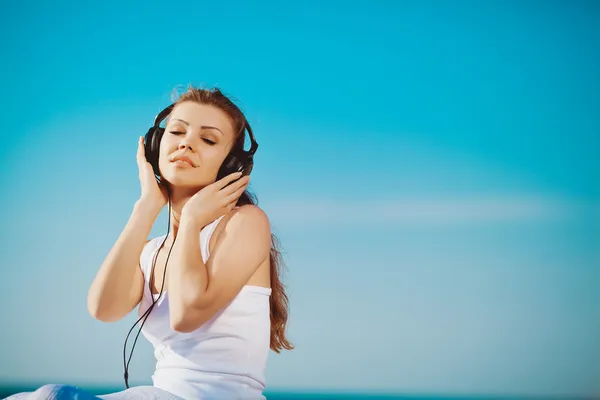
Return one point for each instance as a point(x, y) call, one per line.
point(238, 159)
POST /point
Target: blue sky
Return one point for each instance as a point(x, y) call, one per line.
point(432, 170)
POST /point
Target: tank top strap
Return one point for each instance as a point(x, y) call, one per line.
point(150, 248)
point(148, 253)
point(205, 235)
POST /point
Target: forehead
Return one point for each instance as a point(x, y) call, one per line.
point(197, 115)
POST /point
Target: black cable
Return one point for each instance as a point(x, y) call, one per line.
point(154, 301)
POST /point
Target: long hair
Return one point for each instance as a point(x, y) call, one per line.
point(279, 302)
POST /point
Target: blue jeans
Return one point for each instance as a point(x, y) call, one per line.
point(68, 392)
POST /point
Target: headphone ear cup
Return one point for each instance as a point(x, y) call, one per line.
point(152, 147)
point(236, 162)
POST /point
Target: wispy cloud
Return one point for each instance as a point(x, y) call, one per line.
point(432, 210)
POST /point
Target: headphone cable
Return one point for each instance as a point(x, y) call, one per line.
point(154, 301)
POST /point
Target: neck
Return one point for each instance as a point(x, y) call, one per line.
point(179, 198)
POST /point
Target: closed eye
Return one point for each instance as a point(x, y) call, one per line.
point(206, 140)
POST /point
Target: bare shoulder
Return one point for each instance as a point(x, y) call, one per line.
point(246, 217)
point(250, 215)
point(248, 223)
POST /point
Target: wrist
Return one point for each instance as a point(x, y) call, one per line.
point(191, 222)
point(148, 207)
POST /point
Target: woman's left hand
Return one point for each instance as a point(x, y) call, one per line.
point(214, 200)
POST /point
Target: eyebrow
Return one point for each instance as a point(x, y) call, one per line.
point(202, 127)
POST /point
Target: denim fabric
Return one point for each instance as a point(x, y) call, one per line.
point(68, 392)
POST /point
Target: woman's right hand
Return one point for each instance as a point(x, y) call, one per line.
point(153, 194)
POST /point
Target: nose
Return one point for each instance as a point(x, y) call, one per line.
point(184, 144)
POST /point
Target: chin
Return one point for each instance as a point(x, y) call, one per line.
point(183, 179)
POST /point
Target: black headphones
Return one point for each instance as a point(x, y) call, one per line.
point(238, 159)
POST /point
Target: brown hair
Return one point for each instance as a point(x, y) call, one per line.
point(278, 301)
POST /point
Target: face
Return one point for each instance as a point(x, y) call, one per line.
point(196, 141)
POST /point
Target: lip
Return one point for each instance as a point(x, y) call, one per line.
point(182, 160)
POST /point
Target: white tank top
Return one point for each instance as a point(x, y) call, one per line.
point(226, 357)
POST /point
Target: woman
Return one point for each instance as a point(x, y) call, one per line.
point(218, 308)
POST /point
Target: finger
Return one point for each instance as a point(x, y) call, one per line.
point(140, 151)
point(226, 180)
point(232, 198)
point(232, 204)
point(235, 185)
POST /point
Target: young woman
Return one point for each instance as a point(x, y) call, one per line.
point(209, 292)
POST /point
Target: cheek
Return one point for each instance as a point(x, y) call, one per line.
point(216, 155)
point(164, 153)
point(165, 145)
point(211, 159)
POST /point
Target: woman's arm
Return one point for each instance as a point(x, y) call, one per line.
point(195, 296)
point(119, 283)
